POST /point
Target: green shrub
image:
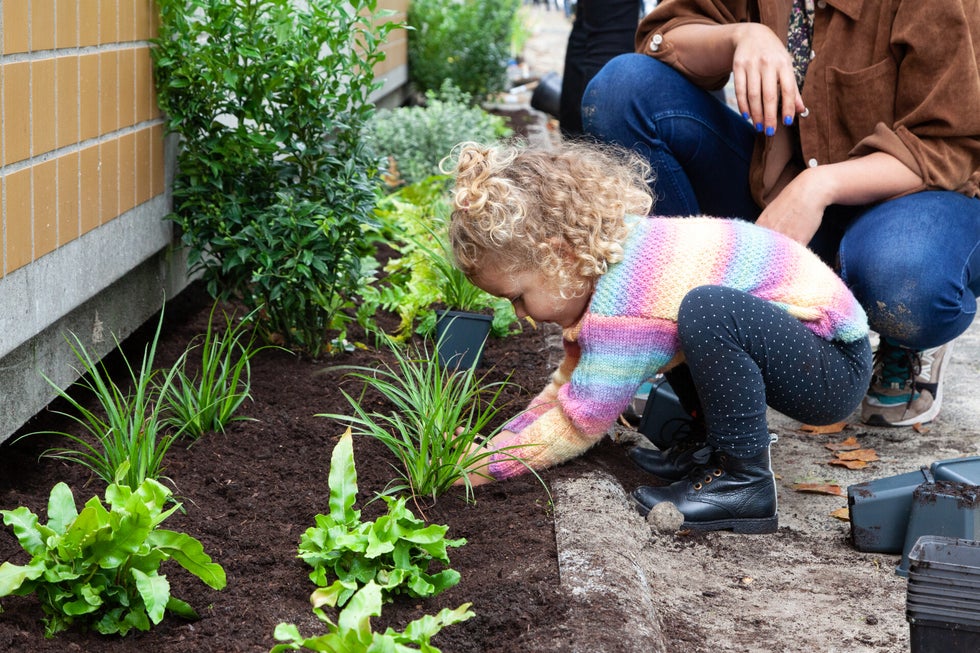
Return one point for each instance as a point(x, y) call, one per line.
point(274, 185)
point(415, 139)
point(466, 41)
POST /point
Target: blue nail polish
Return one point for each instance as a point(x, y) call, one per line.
point(770, 131)
point(788, 120)
point(745, 116)
point(758, 126)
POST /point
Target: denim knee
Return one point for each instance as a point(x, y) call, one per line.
point(914, 264)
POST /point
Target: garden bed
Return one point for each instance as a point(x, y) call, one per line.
point(249, 494)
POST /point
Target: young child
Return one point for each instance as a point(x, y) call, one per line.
point(758, 318)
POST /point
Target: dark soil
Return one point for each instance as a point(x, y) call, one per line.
point(249, 494)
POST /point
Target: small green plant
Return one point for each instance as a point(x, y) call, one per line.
point(100, 567)
point(417, 138)
point(209, 400)
point(353, 633)
point(466, 41)
point(438, 416)
point(394, 552)
point(275, 186)
point(130, 431)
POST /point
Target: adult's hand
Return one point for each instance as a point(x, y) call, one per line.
point(765, 83)
point(798, 209)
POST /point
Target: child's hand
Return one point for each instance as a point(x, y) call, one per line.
point(477, 474)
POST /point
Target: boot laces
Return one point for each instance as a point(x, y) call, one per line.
point(704, 474)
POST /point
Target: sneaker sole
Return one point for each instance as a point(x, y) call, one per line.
point(924, 418)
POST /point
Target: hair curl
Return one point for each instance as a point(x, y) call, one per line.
point(518, 208)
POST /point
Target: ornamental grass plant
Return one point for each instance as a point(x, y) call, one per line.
point(210, 399)
point(128, 435)
point(439, 416)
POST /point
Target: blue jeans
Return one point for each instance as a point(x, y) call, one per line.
point(912, 262)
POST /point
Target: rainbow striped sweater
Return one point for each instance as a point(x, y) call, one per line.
point(629, 332)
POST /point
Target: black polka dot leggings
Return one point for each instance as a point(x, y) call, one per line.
point(746, 353)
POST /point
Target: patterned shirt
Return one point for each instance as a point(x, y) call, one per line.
point(800, 37)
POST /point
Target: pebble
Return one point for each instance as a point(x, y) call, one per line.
point(665, 518)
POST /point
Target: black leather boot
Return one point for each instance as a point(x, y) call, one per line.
point(726, 494)
point(673, 464)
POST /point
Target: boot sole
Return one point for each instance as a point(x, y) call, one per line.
point(756, 526)
point(759, 526)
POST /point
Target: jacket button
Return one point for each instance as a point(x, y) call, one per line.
point(812, 163)
point(656, 41)
point(822, 4)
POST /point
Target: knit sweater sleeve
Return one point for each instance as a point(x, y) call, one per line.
point(617, 354)
point(547, 398)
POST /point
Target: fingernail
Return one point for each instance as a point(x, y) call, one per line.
point(788, 120)
point(758, 126)
point(745, 116)
point(770, 131)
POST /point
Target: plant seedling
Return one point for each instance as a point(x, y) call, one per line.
point(394, 552)
point(101, 567)
point(353, 632)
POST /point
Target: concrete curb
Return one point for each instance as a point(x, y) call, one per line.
point(599, 538)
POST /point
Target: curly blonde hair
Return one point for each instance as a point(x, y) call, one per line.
point(518, 208)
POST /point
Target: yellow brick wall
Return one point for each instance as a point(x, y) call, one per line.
point(81, 140)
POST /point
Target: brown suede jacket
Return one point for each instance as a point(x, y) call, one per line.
point(895, 76)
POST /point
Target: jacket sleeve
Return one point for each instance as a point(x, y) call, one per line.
point(937, 109)
point(673, 13)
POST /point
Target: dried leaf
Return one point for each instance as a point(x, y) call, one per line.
point(849, 444)
point(867, 455)
point(842, 514)
point(823, 430)
point(819, 488)
point(850, 464)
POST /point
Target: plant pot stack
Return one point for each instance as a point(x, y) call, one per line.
point(943, 603)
